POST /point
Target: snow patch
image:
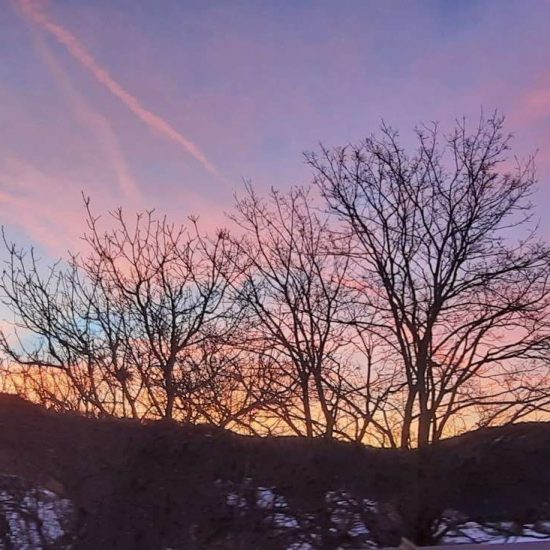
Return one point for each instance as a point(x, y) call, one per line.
point(455, 528)
point(34, 517)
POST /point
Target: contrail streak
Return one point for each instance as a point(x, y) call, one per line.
point(32, 10)
point(94, 121)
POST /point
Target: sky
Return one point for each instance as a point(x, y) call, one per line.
point(171, 104)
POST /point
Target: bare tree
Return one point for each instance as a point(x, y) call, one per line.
point(125, 325)
point(419, 309)
point(455, 281)
point(297, 292)
point(230, 387)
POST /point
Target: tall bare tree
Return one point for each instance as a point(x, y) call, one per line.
point(455, 281)
point(126, 325)
point(298, 293)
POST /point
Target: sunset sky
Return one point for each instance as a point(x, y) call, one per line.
point(171, 104)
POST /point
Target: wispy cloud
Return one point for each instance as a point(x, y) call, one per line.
point(95, 122)
point(34, 11)
point(536, 102)
point(32, 200)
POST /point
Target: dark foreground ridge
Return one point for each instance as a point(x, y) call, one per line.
point(71, 482)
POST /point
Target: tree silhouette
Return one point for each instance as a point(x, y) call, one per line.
point(411, 304)
point(455, 280)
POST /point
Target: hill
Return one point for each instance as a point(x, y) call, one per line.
point(67, 481)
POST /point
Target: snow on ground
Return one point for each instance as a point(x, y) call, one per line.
point(455, 529)
point(274, 507)
point(349, 519)
point(33, 518)
point(346, 515)
point(301, 546)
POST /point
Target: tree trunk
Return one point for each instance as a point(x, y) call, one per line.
point(304, 380)
point(407, 418)
point(170, 389)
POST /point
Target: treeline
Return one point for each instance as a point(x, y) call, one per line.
point(401, 298)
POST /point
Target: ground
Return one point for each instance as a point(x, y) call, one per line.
point(84, 483)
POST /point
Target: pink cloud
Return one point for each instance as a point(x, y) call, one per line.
point(34, 11)
point(536, 101)
point(95, 122)
point(47, 208)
